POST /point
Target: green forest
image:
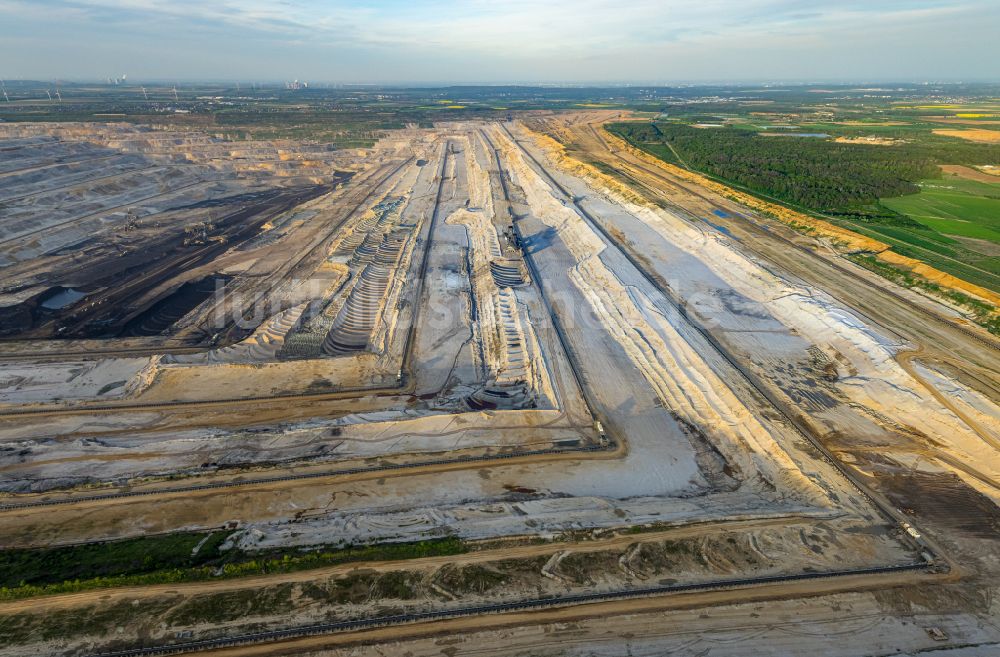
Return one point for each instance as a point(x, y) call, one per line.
point(820, 175)
point(180, 557)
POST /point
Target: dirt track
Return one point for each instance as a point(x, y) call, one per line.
point(571, 614)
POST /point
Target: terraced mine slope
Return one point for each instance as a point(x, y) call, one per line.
point(466, 390)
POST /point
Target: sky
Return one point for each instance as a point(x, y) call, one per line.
point(502, 41)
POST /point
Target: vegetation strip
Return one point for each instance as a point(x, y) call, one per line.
point(178, 558)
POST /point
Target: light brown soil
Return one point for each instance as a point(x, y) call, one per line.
point(985, 247)
point(970, 173)
point(867, 123)
point(976, 135)
point(571, 614)
point(868, 141)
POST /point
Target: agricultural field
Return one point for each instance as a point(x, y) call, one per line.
point(974, 134)
point(954, 206)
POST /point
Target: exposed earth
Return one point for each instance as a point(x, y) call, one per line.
point(649, 415)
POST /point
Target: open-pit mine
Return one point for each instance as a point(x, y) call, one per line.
point(487, 387)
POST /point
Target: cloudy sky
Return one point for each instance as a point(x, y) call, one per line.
point(502, 40)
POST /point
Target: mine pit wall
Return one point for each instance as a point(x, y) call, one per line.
point(681, 378)
point(385, 330)
point(872, 395)
point(480, 186)
point(484, 246)
point(339, 253)
point(144, 378)
point(354, 324)
point(395, 307)
point(263, 345)
point(279, 296)
point(386, 316)
point(490, 320)
point(540, 380)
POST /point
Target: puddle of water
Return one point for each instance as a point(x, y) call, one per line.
point(60, 297)
point(721, 229)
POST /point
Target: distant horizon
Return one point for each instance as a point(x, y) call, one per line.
point(579, 42)
point(769, 85)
